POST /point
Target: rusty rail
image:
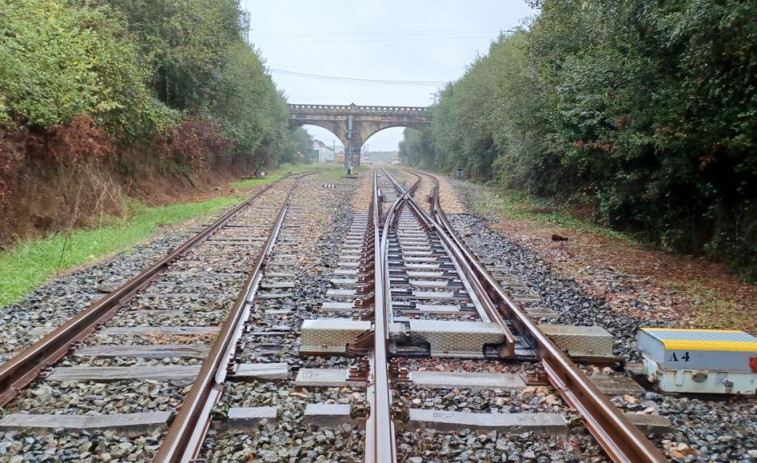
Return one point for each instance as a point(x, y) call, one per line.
point(186, 434)
point(23, 368)
point(379, 434)
point(467, 272)
point(620, 438)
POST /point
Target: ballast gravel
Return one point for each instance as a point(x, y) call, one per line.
point(204, 301)
point(319, 230)
point(699, 422)
point(704, 429)
point(59, 300)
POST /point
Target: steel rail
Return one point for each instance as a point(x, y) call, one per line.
point(380, 429)
point(24, 367)
point(620, 438)
point(380, 443)
point(185, 436)
point(468, 273)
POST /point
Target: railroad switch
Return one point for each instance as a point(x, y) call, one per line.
point(443, 338)
point(585, 344)
point(699, 361)
point(327, 336)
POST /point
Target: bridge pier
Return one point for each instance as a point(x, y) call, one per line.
point(353, 158)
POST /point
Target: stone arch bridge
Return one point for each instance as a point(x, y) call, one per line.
point(355, 124)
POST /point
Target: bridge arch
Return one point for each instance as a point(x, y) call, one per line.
point(326, 134)
point(355, 124)
point(369, 130)
point(333, 128)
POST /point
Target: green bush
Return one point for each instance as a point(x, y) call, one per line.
point(641, 111)
point(61, 60)
point(140, 69)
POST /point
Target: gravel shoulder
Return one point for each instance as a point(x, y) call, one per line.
point(633, 279)
point(587, 281)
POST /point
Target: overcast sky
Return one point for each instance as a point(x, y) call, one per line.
point(422, 43)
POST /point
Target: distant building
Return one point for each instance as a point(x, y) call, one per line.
point(325, 153)
point(382, 156)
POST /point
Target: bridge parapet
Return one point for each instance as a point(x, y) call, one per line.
point(354, 109)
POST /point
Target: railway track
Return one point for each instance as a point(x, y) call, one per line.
point(427, 243)
point(144, 348)
point(414, 340)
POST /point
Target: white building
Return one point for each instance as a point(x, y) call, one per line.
point(325, 153)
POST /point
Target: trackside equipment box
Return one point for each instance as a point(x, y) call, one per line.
point(700, 361)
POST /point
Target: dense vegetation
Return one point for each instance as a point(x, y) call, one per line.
point(97, 96)
point(641, 114)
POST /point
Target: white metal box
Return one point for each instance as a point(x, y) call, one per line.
point(580, 341)
point(330, 335)
point(456, 338)
point(700, 361)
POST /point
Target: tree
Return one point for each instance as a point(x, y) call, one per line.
point(61, 61)
point(641, 112)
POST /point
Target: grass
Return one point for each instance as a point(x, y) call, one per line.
point(710, 309)
point(715, 312)
point(325, 173)
point(506, 204)
point(30, 263)
point(271, 177)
